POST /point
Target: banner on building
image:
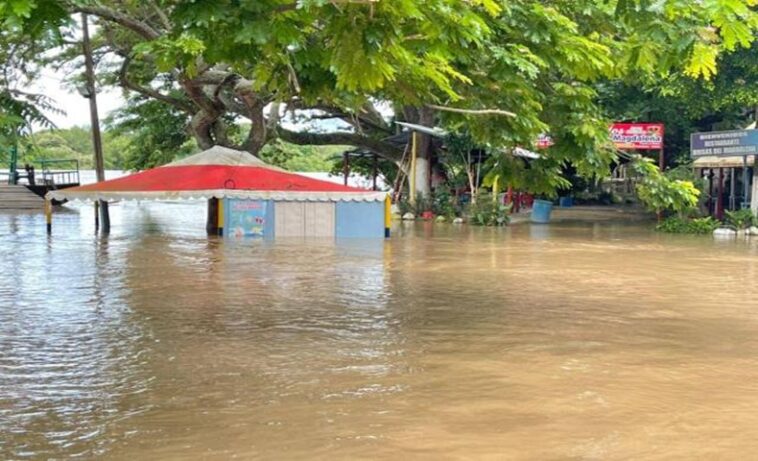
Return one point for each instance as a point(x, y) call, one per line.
point(641, 136)
point(246, 218)
point(637, 136)
point(544, 141)
point(724, 143)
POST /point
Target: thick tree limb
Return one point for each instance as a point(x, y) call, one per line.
point(369, 112)
point(232, 105)
point(215, 76)
point(129, 22)
point(202, 128)
point(472, 111)
point(196, 93)
point(379, 147)
point(124, 81)
point(220, 132)
point(257, 136)
point(161, 15)
point(367, 115)
point(274, 115)
point(370, 123)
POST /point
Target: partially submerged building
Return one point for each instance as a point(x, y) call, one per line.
point(247, 197)
point(726, 161)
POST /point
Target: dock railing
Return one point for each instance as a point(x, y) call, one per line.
point(60, 172)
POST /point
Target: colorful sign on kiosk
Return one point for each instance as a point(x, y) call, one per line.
point(246, 218)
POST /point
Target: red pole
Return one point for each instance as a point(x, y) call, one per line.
point(661, 156)
point(661, 166)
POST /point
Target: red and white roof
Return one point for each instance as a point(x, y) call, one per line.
point(218, 172)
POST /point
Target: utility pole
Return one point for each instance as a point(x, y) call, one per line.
point(97, 143)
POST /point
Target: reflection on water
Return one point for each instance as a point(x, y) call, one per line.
point(570, 341)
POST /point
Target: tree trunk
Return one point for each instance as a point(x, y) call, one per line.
point(423, 189)
point(424, 149)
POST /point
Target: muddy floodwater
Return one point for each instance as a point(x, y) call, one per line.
point(564, 342)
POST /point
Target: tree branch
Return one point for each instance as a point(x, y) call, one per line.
point(257, 136)
point(128, 84)
point(202, 128)
point(366, 115)
point(161, 15)
point(108, 14)
point(472, 111)
point(379, 147)
point(274, 116)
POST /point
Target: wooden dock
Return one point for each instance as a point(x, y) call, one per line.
point(17, 197)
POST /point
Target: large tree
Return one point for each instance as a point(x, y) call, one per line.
point(728, 100)
point(463, 63)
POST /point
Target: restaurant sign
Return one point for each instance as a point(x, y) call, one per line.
point(643, 136)
point(544, 141)
point(724, 143)
point(640, 136)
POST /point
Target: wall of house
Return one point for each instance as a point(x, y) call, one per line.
point(270, 219)
point(360, 220)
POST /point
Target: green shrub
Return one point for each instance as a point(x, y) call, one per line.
point(678, 225)
point(445, 204)
point(741, 219)
point(486, 212)
point(673, 225)
point(423, 203)
point(703, 225)
point(660, 193)
point(404, 206)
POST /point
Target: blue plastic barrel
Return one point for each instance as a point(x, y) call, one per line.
point(566, 202)
point(541, 211)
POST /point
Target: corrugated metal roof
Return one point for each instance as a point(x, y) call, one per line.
point(430, 130)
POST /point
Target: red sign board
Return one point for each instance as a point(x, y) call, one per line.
point(642, 136)
point(544, 141)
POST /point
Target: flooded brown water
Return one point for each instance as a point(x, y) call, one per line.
point(573, 341)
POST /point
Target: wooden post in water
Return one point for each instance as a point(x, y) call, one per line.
point(387, 215)
point(49, 215)
point(97, 143)
point(220, 216)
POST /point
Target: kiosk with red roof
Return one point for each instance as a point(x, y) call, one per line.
point(253, 198)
